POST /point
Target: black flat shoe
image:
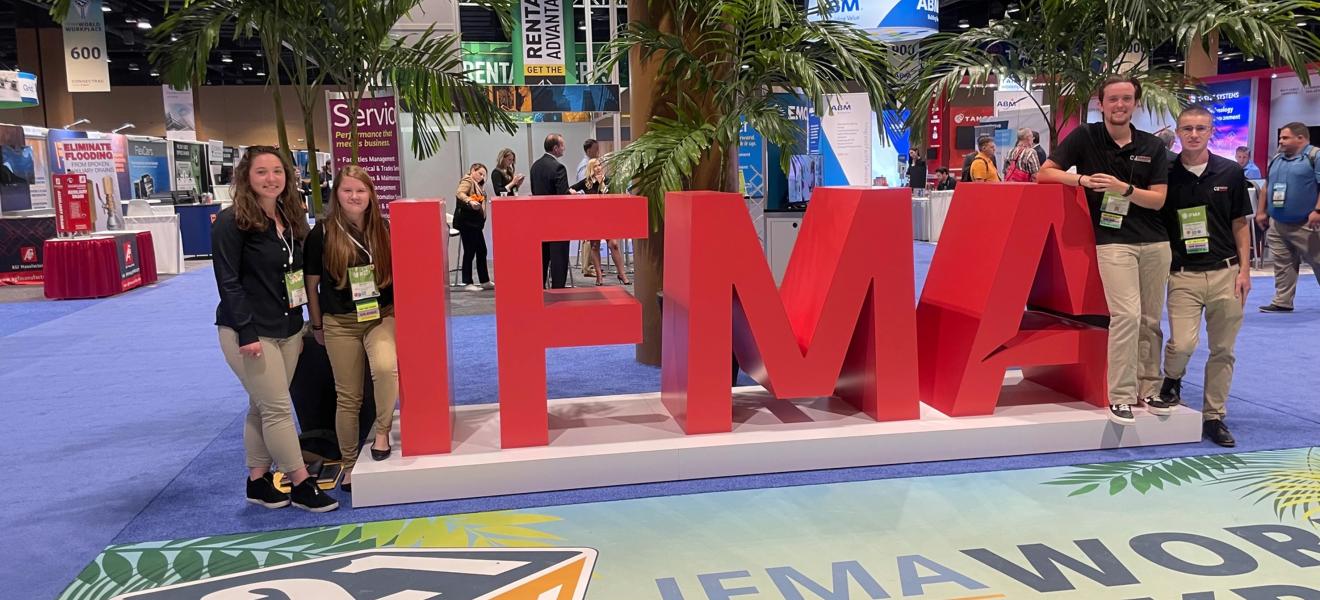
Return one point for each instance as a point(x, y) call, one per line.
point(347, 487)
point(380, 454)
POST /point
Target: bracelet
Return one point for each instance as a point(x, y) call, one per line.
point(317, 327)
point(1079, 180)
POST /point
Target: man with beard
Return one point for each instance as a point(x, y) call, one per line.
point(1124, 173)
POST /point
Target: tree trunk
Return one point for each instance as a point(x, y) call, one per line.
point(716, 171)
point(313, 166)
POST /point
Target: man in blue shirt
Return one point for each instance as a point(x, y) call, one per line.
point(1249, 169)
point(1290, 207)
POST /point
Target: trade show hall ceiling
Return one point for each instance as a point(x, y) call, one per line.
point(239, 61)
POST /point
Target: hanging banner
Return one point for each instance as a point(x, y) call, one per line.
point(73, 152)
point(180, 122)
point(1230, 101)
point(84, 48)
point(149, 168)
point(73, 204)
point(40, 188)
point(17, 89)
point(17, 170)
point(489, 63)
point(188, 168)
point(542, 50)
point(377, 143)
point(888, 20)
point(602, 97)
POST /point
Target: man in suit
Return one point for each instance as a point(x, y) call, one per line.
point(550, 178)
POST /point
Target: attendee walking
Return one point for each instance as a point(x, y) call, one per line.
point(1124, 172)
point(470, 221)
point(1022, 165)
point(503, 180)
point(1289, 210)
point(595, 183)
point(352, 311)
point(257, 253)
point(1207, 216)
point(983, 164)
point(550, 178)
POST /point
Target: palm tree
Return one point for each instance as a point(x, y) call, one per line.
point(699, 68)
point(1067, 47)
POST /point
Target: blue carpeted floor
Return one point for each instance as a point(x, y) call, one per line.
point(128, 427)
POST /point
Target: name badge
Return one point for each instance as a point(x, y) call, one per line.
point(1114, 203)
point(368, 310)
point(1194, 222)
point(1279, 195)
point(363, 281)
point(297, 290)
point(1198, 245)
point(1141, 159)
point(1111, 220)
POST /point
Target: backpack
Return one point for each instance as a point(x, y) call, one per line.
point(967, 167)
point(1012, 172)
point(1310, 155)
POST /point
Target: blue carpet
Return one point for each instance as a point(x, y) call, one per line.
point(17, 316)
point(128, 408)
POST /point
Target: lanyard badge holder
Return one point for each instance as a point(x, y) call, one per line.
point(294, 285)
point(1279, 195)
point(1112, 210)
point(362, 283)
point(1195, 229)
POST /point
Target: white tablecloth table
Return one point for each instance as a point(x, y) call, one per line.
point(166, 239)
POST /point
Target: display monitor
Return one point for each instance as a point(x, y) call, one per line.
point(804, 174)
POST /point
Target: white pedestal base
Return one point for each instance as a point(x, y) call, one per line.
point(618, 440)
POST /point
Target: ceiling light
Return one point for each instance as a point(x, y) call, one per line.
point(246, 67)
point(130, 20)
point(144, 24)
point(1301, 23)
point(1012, 8)
point(174, 38)
point(1251, 59)
point(132, 66)
point(1173, 60)
point(155, 73)
point(962, 24)
point(261, 73)
point(105, 8)
point(225, 59)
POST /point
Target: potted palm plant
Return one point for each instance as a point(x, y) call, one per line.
point(699, 68)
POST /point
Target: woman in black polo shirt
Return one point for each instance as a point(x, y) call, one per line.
point(348, 263)
point(257, 249)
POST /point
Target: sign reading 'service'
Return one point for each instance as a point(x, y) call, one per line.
point(377, 141)
point(842, 324)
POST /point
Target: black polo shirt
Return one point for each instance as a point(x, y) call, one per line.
point(1222, 189)
point(335, 301)
point(249, 272)
point(1142, 163)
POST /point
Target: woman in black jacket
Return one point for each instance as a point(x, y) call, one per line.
point(595, 184)
point(503, 180)
point(257, 249)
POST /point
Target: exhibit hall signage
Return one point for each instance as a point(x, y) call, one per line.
point(84, 48)
point(889, 20)
point(17, 89)
point(845, 139)
point(543, 50)
point(180, 121)
point(377, 141)
point(73, 204)
point(97, 158)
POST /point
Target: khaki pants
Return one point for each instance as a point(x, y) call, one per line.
point(1289, 246)
point(348, 343)
point(1134, 276)
point(1189, 295)
point(268, 432)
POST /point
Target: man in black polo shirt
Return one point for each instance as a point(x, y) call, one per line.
point(1124, 172)
point(1208, 216)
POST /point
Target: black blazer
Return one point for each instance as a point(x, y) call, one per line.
point(549, 177)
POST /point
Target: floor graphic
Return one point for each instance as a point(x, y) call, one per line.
point(1240, 526)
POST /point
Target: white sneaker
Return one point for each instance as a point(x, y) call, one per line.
point(472, 287)
point(489, 285)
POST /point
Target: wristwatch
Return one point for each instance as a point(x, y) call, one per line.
point(1129, 191)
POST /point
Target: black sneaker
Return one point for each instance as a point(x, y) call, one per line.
point(1218, 433)
point(1170, 397)
point(309, 497)
point(1275, 308)
point(1121, 414)
point(262, 492)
